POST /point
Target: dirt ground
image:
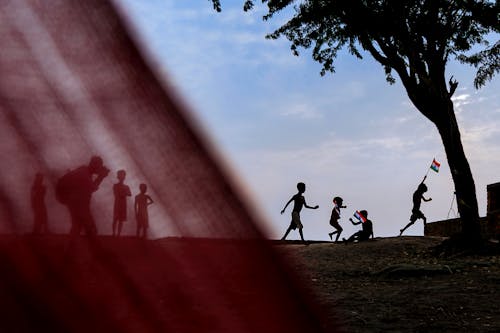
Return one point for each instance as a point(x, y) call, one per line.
point(397, 285)
point(203, 285)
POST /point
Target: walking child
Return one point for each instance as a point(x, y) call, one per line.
point(335, 217)
point(121, 192)
point(298, 202)
point(416, 214)
point(367, 228)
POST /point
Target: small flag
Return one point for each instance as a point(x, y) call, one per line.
point(359, 216)
point(435, 165)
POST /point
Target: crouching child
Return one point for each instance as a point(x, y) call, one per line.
point(367, 228)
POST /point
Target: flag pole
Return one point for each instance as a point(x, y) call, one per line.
point(426, 174)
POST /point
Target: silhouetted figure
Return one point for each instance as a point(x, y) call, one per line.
point(121, 192)
point(365, 233)
point(38, 190)
point(142, 201)
point(298, 202)
point(75, 189)
point(335, 217)
point(416, 214)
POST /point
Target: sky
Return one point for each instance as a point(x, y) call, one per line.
point(276, 121)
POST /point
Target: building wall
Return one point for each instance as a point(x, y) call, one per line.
point(493, 209)
point(490, 224)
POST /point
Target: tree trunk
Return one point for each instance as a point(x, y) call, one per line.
point(433, 100)
point(465, 189)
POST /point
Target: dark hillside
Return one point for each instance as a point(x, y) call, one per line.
point(398, 285)
point(56, 284)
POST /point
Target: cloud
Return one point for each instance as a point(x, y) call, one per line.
point(302, 111)
point(460, 101)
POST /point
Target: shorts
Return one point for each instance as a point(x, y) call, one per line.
point(416, 214)
point(296, 223)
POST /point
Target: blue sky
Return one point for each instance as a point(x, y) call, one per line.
point(277, 121)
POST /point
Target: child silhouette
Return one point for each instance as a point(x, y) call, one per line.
point(142, 201)
point(366, 231)
point(335, 217)
point(416, 214)
point(298, 202)
point(121, 192)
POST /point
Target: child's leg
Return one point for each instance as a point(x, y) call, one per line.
point(120, 226)
point(286, 233)
point(353, 237)
point(301, 234)
point(406, 227)
point(339, 231)
point(114, 226)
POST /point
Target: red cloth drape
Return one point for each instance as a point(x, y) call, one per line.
point(74, 85)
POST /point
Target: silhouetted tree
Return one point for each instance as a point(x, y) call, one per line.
point(415, 39)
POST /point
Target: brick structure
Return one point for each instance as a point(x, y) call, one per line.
point(446, 228)
point(490, 224)
point(493, 210)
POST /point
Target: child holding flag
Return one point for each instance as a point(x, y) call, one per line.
point(418, 196)
point(367, 225)
point(298, 202)
point(335, 217)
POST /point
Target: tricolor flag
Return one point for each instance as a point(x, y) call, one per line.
point(359, 216)
point(435, 165)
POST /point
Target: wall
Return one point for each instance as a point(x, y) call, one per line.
point(490, 224)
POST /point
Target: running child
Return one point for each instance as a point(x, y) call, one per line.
point(298, 202)
point(416, 214)
point(335, 217)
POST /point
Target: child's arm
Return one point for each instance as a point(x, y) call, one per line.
point(426, 200)
point(149, 200)
point(355, 223)
point(136, 203)
point(283, 210)
point(305, 205)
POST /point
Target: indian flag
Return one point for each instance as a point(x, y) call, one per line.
point(359, 216)
point(435, 165)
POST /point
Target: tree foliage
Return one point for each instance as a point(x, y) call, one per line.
point(248, 4)
point(414, 38)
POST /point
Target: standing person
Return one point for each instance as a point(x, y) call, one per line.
point(142, 201)
point(416, 214)
point(298, 202)
point(38, 190)
point(75, 190)
point(335, 217)
point(121, 192)
point(367, 225)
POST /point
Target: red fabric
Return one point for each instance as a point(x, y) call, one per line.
point(73, 85)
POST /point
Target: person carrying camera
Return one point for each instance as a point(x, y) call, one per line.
point(75, 190)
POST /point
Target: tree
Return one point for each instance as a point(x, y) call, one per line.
point(415, 39)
